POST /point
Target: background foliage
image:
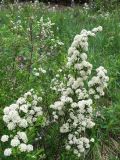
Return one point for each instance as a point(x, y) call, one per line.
point(106, 4)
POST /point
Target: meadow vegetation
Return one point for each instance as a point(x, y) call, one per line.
point(35, 68)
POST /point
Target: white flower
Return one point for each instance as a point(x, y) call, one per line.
point(29, 119)
point(75, 151)
point(24, 108)
point(6, 110)
point(29, 148)
point(87, 146)
point(83, 56)
point(4, 138)
point(8, 152)
point(71, 50)
point(32, 112)
point(15, 142)
point(55, 117)
point(27, 94)
point(64, 128)
point(22, 136)
point(97, 29)
point(82, 149)
point(70, 136)
point(43, 70)
point(23, 123)
point(37, 74)
point(96, 96)
point(37, 109)
point(23, 147)
point(21, 100)
point(57, 105)
point(92, 140)
point(13, 107)
point(100, 28)
point(68, 147)
point(6, 118)
point(11, 126)
point(90, 124)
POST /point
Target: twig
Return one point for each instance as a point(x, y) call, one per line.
point(31, 45)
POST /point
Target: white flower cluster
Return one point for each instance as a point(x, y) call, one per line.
point(38, 71)
point(16, 26)
point(104, 15)
point(56, 84)
point(80, 44)
point(46, 28)
point(24, 112)
point(48, 44)
point(98, 83)
point(48, 41)
point(78, 117)
point(19, 140)
point(18, 116)
point(75, 105)
point(86, 6)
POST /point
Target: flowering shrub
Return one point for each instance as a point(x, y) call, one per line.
point(39, 34)
point(73, 112)
point(18, 117)
point(48, 44)
point(74, 109)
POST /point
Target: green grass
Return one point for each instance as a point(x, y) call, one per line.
point(104, 51)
